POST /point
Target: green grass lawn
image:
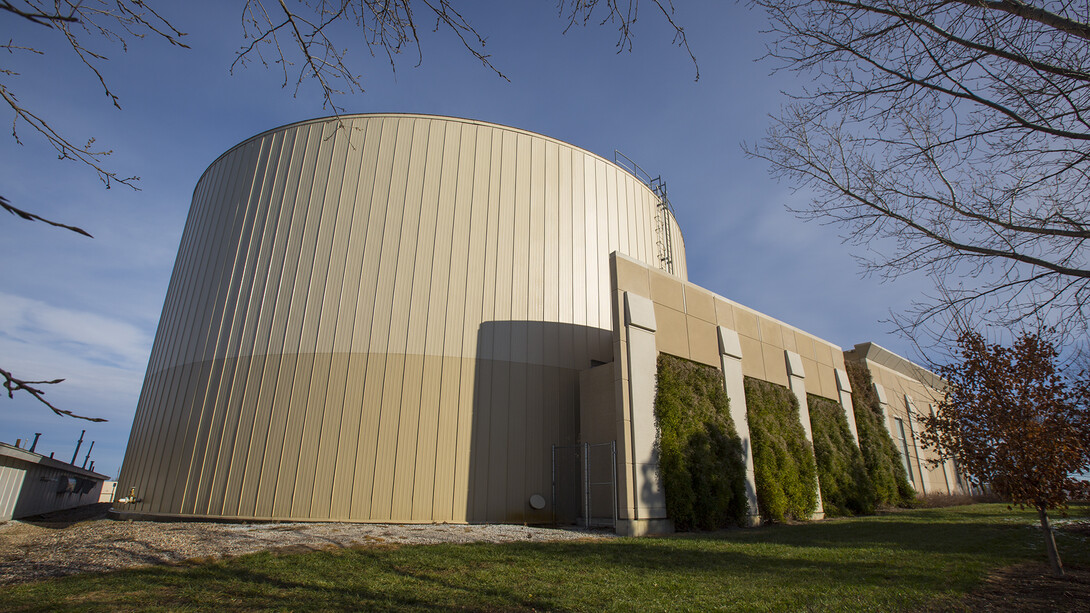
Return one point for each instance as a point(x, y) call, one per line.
point(891, 562)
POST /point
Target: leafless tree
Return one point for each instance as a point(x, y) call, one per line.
point(85, 27)
point(308, 40)
point(950, 138)
point(13, 384)
point(324, 41)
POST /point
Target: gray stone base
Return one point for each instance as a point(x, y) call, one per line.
point(644, 527)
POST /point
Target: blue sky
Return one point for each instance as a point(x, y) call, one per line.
point(87, 309)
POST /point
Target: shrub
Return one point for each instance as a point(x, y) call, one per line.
point(701, 462)
point(846, 488)
point(783, 461)
point(880, 455)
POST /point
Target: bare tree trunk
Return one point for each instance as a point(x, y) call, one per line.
point(1050, 544)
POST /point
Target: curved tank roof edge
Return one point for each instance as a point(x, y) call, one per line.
point(423, 115)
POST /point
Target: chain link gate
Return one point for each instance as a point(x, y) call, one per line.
point(584, 485)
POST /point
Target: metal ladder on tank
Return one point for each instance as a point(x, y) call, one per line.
point(664, 211)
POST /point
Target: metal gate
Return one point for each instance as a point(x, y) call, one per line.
point(584, 487)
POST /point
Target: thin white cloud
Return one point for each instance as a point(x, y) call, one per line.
point(84, 336)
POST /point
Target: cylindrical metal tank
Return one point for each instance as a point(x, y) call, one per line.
point(383, 318)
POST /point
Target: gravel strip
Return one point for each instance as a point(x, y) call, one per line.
point(81, 541)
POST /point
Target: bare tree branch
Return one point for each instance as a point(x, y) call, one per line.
point(81, 26)
point(12, 385)
point(309, 49)
point(35, 14)
point(946, 137)
point(4, 204)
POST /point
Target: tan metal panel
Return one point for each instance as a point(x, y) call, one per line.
point(607, 180)
point(517, 439)
point(451, 479)
point(157, 462)
point(551, 232)
point(568, 235)
point(270, 484)
point(492, 231)
point(593, 242)
point(519, 205)
point(153, 430)
point(281, 293)
point(423, 477)
point(264, 231)
point(272, 321)
point(348, 387)
point(538, 237)
point(414, 463)
point(647, 226)
point(394, 198)
point(477, 197)
point(372, 189)
point(291, 324)
point(364, 482)
point(400, 403)
point(444, 288)
point(284, 498)
point(382, 492)
point(520, 259)
point(333, 240)
point(344, 481)
point(406, 192)
point(536, 449)
point(300, 334)
point(444, 499)
point(429, 230)
point(462, 498)
point(384, 329)
point(575, 344)
point(405, 458)
point(432, 237)
point(366, 370)
point(326, 400)
point(552, 408)
point(605, 245)
point(498, 443)
point(223, 328)
point(265, 221)
point(443, 160)
point(503, 302)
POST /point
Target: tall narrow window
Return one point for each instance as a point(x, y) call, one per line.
point(904, 448)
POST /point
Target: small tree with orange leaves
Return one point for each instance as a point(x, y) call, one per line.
point(1013, 419)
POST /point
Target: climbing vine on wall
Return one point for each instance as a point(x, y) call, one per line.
point(701, 462)
point(846, 488)
point(783, 461)
point(880, 456)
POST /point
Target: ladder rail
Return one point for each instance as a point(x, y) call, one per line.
point(664, 242)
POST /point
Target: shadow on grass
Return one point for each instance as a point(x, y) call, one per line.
point(620, 574)
point(886, 563)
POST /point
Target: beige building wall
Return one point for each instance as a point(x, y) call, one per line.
point(687, 316)
point(684, 320)
point(911, 391)
point(383, 318)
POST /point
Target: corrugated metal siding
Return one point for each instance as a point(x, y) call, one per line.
point(382, 321)
point(28, 489)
